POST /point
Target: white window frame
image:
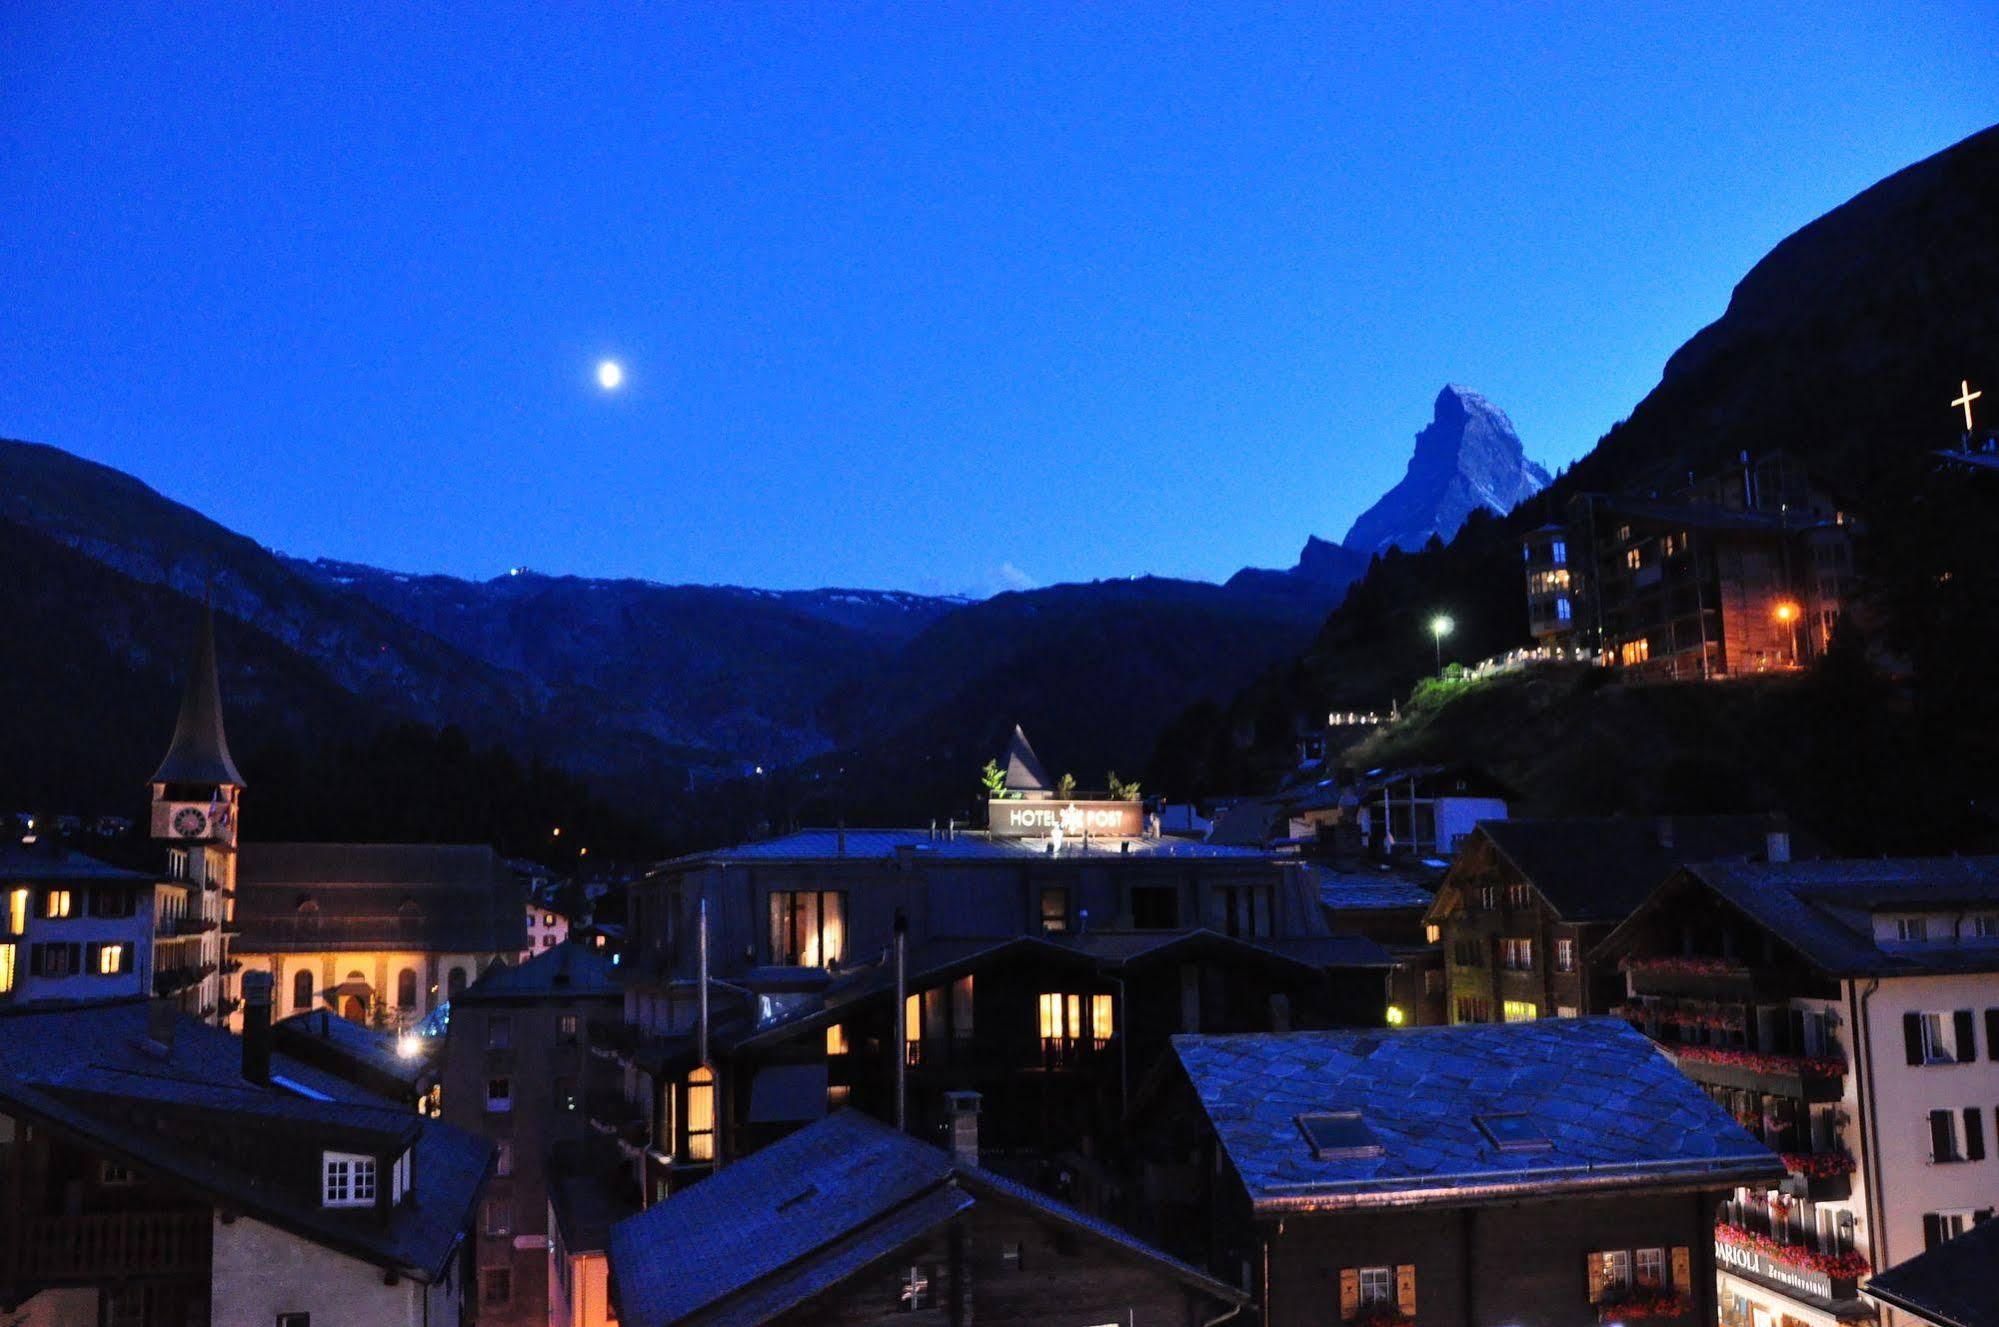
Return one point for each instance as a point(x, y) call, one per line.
point(1912, 930)
point(1565, 954)
point(400, 1181)
point(1617, 1269)
point(917, 1289)
point(347, 1179)
point(1939, 1037)
point(1377, 1286)
point(1652, 1262)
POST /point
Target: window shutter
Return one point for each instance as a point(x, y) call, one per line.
point(75, 959)
point(1349, 1293)
point(1405, 1289)
point(1595, 1266)
point(1912, 1037)
point(1967, 1037)
point(35, 960)
point(1992, 1034)
point(1932, 1231)
point(1683, 1269)
point(1940, 1140)
point(1974, 1134)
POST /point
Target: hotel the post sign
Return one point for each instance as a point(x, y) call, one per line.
point(1014, 819)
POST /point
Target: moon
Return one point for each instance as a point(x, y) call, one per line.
point(610, 375)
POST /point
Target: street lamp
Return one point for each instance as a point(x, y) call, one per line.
point(1788, 614)
point(1440, 627)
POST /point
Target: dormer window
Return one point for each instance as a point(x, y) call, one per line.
point(349, 1180)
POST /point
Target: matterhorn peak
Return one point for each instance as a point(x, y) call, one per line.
point(1468, 457)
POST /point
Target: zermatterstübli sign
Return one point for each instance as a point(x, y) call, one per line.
point(1021, 819)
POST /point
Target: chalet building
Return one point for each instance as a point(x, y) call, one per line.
point(546, 928)
point(1553, 1173)
point(74, 928)
point(1044, 976)
point(398, 1066)
point(159, 1171)
point(382, 933)
point(1418, 813)
point(849, 1221)
point(1848, 1013)
point(518, 1069)
point(1526, 902)
point(1950, 1285)
point(1743, 572)
point(1391, 906)
point(590, 1190)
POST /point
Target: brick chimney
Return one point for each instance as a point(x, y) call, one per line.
point(257, 1026)
point(962, 1109)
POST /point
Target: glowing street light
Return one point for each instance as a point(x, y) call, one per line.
point(1440, 627)
point(1788, 613)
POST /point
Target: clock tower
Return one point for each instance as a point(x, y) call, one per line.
point(196, 792)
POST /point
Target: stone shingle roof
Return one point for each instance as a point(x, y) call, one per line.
point(799, 1217)
point(55, 863)
point(1612, 1109)
point(1951, 1285)
point(1600, 869)
point(570, 970)
point(79, 1070)
point(1825, 909)
point(1369, 891)
point(345, 1041)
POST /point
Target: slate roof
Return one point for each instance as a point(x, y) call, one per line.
point(199, 752)
point(1950, 1285)
point(1369, 891)
point(320, 1033)
point(1613, 1109)
point(819, 845)
point(568, 971)
point(1600, 869)
point(431, 898)
point(1824, 909)
point(53, 862)
point(796, 1219)
point(78, 1069)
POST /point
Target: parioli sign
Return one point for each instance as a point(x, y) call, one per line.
point(1013, 819)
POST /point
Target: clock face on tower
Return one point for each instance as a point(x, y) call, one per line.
point(190, 822)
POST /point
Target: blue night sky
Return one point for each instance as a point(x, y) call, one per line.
point(917, 296)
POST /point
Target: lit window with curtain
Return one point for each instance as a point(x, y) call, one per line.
point(808, 928)
point(701, 1114)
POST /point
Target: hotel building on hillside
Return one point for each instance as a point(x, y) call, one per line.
point(1744, 572)
point(1848, 1013)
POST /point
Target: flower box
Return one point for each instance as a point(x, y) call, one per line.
point(1839, 1266)
point(1643, 1303)
point(1762, 1063)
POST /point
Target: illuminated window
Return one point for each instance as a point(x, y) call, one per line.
point(17, 912)
point(1433, 933)
point(1070, 1021)
point(113, 959)
point(565, 1029)
point(1617, 1269)
point(915, 1290)
point(1635, 651)
point(1563, 611)
point(1519, 1011)
point(1634, 558)
point(349, 1179)
point(701, 1114)
point(1377, 1286)
point(1517, 956)
point(56, 903)
point(1558, 552)
point(6, 968)
point(1651, 1266)
point(807, 928)
point(1054, 909)
point(1623, 534)
point(836, 1039)
point(1565, 956)
point(912, 1029)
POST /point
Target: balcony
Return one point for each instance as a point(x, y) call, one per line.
point(940, 1053)
point(169, 981)
point(1747, 1240)
point(1809, 1078)
point(69, 1250)
point(1071, 1052)
point(179, 928)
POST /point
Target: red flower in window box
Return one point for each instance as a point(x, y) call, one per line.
point(1688, 963)
point(1760, 1062)
point(1839, 1266)
point(1381, 1315)
point(1818, 1165)
point(1641, 1302)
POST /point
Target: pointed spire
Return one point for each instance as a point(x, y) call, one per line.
point(200, 750)
point(1024, 773)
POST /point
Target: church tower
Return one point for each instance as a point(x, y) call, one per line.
point(196, 792)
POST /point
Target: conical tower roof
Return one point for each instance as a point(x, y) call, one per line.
point(200, 750)
point(1023, 768)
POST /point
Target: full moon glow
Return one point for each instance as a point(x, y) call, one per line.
point(610, 374)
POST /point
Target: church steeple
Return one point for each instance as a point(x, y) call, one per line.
point(200, 750)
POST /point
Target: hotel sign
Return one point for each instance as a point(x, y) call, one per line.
point(1802, 1280)
point(1015, 819)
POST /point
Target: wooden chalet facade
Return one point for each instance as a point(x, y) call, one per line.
point(1557, 1173)
point(1526, 902)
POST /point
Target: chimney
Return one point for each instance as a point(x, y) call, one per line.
point(1777, 846)
point(160, 1018)
point(962, 1109)
point(257, 1026)
point(1666, 833)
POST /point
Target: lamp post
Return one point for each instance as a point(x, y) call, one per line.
point(1787, 613)
point(1440, 627)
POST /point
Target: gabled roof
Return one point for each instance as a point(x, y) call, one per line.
point(322, 1037)
point(1825, 910)
point(1951, 1285)
point(568, 971)
point(1360, 890)
point(1600, 869)
point(1024, 773)
point(1612, 1110)
point(433, 898)
point(199, 752)
point(793, 1221)
point(79, 1070)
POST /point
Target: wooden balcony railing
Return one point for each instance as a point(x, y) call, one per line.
point(116, 1244)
